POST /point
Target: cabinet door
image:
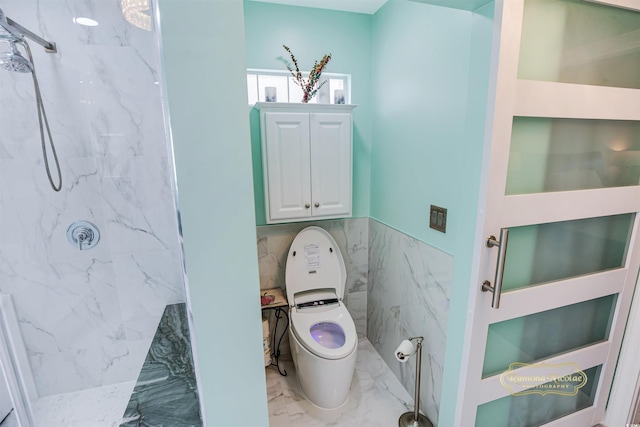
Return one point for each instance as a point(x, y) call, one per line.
point(331, 164)
point(286, 155)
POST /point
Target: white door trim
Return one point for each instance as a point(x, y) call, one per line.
point(626, 383)
point(624, 391)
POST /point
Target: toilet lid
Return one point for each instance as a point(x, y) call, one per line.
point(327, 332)
point(314, 262)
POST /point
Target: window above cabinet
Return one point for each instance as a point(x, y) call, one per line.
point(278, 87)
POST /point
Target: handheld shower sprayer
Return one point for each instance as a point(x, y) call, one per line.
point(13, 34)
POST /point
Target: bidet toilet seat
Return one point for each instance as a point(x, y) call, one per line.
point(314, 262)
point(322, 334)
point(326, 331)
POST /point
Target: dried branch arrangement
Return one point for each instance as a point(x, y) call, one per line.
point(311, 85)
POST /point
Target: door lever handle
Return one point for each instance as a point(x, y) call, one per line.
point(496, 289)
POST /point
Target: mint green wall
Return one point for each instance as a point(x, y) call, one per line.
point(421, 63)
point(431, 77)
point(206, 86)
point(311, 33)
point(470, 190)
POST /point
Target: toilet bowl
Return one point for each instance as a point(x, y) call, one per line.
point(322, 334)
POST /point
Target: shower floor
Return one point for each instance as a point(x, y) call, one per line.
point(99, 407)
point(377, 398)
point(165, 392)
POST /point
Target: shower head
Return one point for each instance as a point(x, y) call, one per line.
point(10, 58)
point(14, 61)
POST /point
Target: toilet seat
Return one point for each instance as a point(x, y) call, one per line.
point(315, 279)
point(303, 319)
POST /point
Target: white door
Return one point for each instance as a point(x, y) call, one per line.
point(286, 153)
point(331, 164)
point(562, 202)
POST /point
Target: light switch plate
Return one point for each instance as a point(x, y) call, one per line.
point(438, 218)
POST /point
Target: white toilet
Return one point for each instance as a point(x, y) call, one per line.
point(322, 334)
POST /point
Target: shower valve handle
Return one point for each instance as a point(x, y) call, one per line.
point(83, 235)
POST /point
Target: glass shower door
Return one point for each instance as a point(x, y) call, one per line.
point(559, 254)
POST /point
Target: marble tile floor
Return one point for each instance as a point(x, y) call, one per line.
point(377, 398)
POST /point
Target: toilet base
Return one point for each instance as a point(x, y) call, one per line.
point(320, 407)
point(325, 383)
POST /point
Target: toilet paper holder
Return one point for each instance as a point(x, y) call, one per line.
point(405, 350)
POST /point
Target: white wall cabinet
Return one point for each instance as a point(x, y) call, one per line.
point(307, 161)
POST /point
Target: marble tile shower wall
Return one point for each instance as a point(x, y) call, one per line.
point(351, 235)
point(87, 317)
point(409, 292)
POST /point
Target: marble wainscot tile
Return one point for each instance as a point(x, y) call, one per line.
point(409, 293)
point(356, 303)
point(352, 236)
point(166, 393)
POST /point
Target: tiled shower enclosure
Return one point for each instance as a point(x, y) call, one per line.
point(86, 318)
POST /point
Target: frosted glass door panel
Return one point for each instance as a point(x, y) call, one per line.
point(544, 253)
point(582, 43)
point(533, 410)
point(548, 155)
point(549, 333)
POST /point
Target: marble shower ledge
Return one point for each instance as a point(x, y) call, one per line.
point(166, 393)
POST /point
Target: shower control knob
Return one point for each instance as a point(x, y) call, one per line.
point(83, 235)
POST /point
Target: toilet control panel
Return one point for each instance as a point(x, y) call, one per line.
point(318, 303)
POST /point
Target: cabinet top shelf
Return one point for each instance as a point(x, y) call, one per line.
point(299, 106)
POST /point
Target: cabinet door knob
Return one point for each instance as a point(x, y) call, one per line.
point(317, 205)
point(307, 205)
